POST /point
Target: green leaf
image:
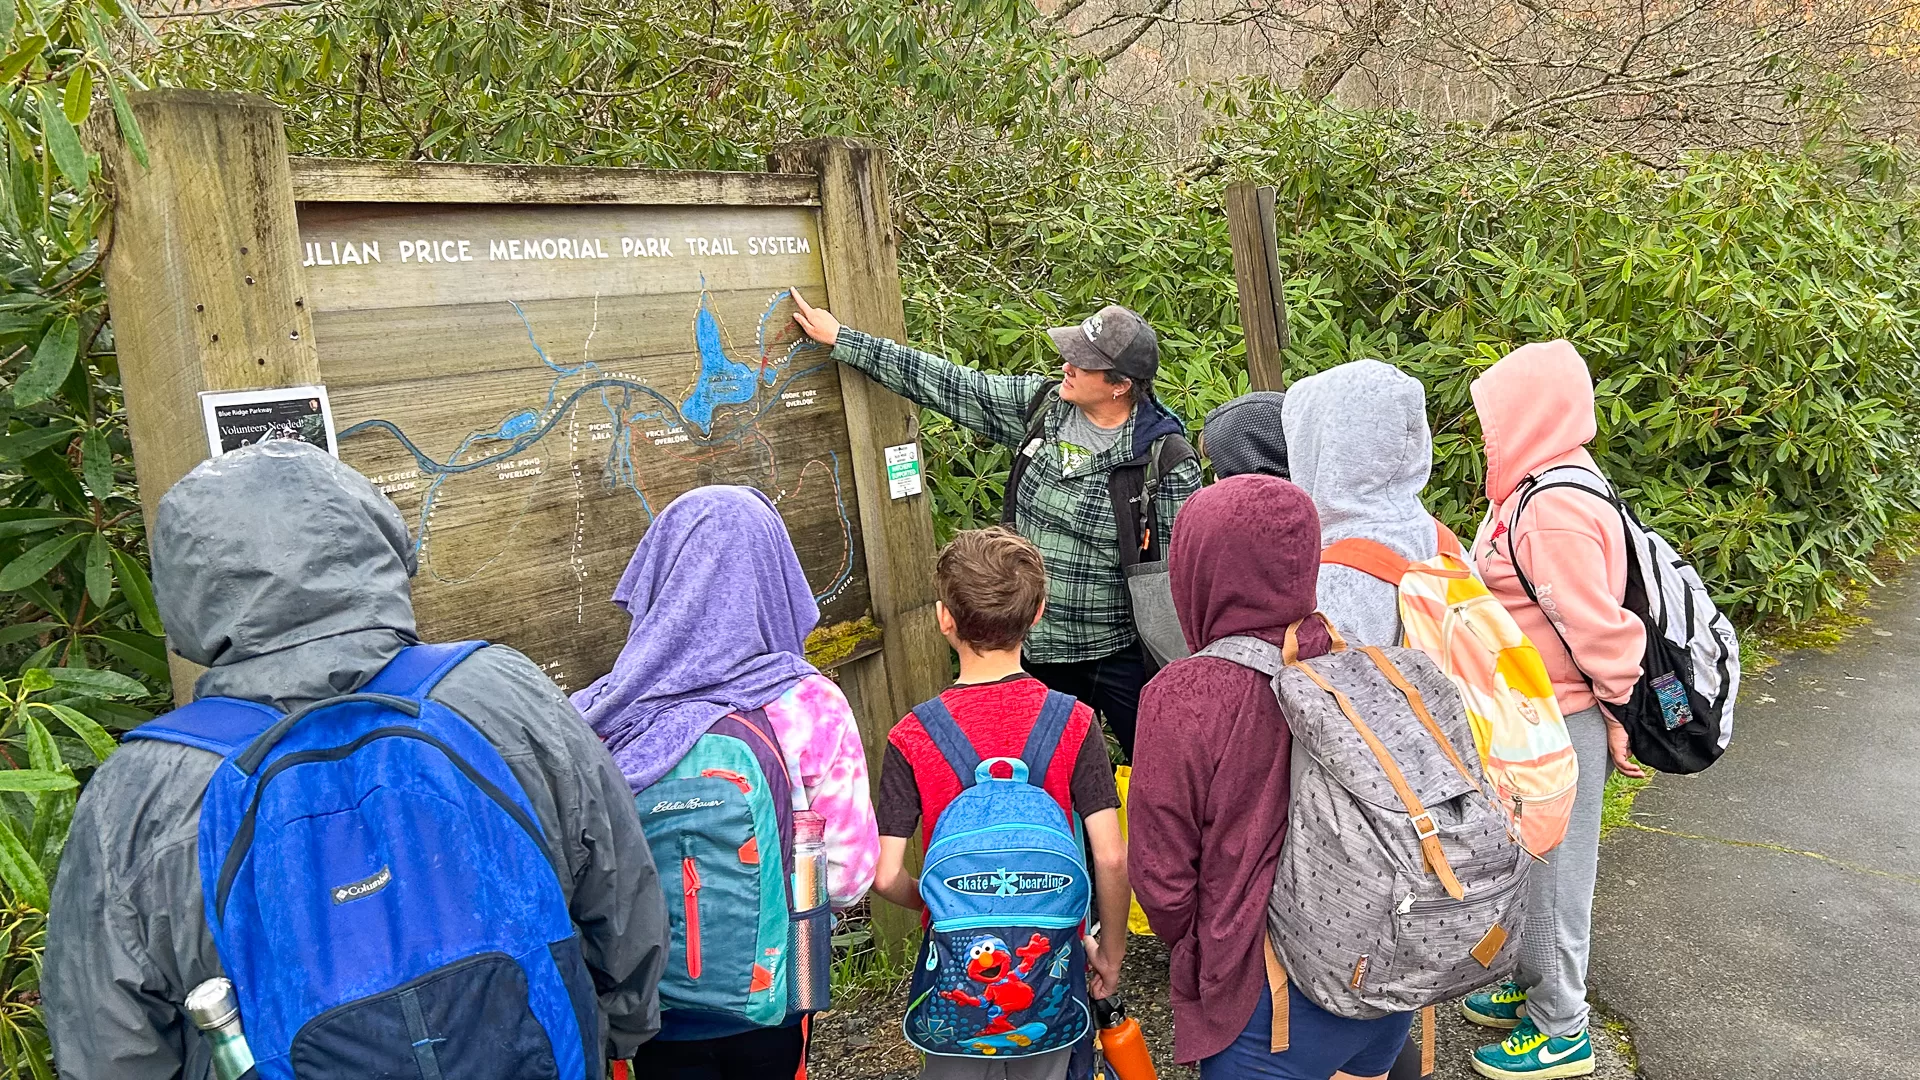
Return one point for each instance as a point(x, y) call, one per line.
point(138, 589)
point(51, 471)
point(25, 443)
point(96, 459)
point(137, 649)
point(18, 869)
point(17, 62)
point(35, 680)
point(96, 681)
point(51, 362)
point(23, 631)
point(39, 521)
point(129, 126)
point(8, 15)
point(78, 100)
point(89, 730)
point(63, 142)
point(34, 564)
point(99, 573)
point(35, 780)
point(42, 754)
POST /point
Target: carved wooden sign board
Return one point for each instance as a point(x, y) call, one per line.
point(532, 383)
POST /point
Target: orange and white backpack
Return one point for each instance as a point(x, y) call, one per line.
point(1447, 613)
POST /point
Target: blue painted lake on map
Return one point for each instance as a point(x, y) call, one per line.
point(723, 381)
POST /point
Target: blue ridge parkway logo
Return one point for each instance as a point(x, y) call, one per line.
point(1004, 882)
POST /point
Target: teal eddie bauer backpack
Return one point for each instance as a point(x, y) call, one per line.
point(721, 828)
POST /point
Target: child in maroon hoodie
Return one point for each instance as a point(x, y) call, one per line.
point(1211, 788)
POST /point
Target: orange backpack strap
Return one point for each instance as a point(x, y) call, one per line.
point(1279, 1033)
point(1368, 557)
point(1375, 559)
point(1449, 543)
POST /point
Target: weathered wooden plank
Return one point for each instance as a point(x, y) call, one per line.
point(462, 340)
point(344, 180)
point(863, 282)
point(204, 274)
point(391, 255)
point(1263, 315)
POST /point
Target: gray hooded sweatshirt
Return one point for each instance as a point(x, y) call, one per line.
point(285, 573)
point(1358, 442)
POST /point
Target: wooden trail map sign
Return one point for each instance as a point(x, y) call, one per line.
point(531, 385)
point(533, 362)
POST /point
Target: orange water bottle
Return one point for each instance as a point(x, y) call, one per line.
point(1121, 1042)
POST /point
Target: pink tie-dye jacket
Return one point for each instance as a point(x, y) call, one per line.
point(821, 742)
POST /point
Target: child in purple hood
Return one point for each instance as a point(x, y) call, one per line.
point(721, 613)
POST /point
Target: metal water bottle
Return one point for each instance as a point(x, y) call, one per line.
point(215, 1010)
point(811, 943)
point(1121, 1042)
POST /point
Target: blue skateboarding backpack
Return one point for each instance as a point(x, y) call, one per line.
point(1002, 973)
point(380, 890)
point(744, 950)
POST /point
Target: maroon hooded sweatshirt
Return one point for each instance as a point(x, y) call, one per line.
point(1208, 806)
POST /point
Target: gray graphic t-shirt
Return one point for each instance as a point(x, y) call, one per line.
point(1082, 440)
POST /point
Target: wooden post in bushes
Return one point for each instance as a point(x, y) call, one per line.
point(863, 276)
point(204, 270)
point(1256, 271)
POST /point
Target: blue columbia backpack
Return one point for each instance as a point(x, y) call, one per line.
point(380, 891)
point(720, 824)
point(1002, 973)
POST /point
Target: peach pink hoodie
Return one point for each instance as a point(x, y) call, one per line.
point(1536, 412)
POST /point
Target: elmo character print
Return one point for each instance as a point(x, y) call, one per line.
point(1002, 990)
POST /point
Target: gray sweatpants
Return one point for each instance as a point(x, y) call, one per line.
point(1559, 928)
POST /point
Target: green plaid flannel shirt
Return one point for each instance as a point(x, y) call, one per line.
point(1069, 517)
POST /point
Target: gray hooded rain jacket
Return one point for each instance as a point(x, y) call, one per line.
point(285, 573)
point(1358, 442)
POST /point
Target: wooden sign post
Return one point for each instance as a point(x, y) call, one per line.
point(1256, 270)
point(533, 362)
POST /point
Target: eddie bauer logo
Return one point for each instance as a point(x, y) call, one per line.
point(685, 804)
point(363, 887)
point(1005, 882)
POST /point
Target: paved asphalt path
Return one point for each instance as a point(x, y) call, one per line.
point(1761, 921)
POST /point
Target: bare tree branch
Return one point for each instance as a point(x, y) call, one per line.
point(1331, 64)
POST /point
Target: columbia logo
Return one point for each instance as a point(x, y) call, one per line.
point(364, 887)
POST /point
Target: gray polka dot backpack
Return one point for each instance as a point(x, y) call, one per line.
point(1399, 884)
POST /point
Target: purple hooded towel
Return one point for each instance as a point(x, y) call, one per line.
point(721, 613)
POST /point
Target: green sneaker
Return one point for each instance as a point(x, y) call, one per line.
point(1499, 1008)
point(1528, 1055)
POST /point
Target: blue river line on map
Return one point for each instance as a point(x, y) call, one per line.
point(722, 382)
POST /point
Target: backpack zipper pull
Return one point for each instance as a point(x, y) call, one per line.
point(690, 896)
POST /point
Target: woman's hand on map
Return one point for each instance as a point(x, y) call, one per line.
point(819, 324)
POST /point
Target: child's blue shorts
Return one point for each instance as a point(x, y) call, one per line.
point(1319, 1044)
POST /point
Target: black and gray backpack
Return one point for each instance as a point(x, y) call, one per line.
point(1680, 717)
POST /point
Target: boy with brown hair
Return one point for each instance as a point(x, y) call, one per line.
point(992, 589)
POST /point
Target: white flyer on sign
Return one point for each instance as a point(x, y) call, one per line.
point(903, 470)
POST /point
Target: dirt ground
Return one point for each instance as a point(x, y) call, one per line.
point(862, 1040)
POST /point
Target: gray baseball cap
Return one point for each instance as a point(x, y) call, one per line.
point(1111, 338)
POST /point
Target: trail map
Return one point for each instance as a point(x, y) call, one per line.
point(532, 385)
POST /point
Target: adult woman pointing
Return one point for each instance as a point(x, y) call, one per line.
point(1100, 469)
